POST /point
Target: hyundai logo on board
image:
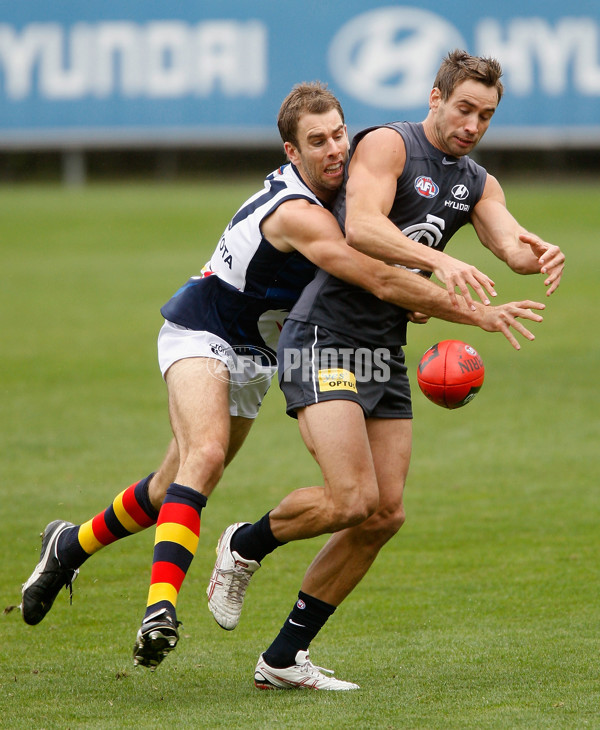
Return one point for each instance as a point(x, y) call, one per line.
point(388, 57)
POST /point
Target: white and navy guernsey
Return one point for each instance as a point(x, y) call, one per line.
point(248, 287)
point(435, 196)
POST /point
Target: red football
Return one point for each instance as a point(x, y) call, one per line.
point(450, 373)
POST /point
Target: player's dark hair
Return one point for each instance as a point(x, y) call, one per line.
point(305, 98)
point(459, 66)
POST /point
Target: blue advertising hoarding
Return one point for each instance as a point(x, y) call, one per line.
point(80, 73)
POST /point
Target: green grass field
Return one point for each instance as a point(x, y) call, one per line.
point(482, 613)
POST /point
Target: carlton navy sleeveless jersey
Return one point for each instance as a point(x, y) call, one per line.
point(435, 195)
point(248, 287)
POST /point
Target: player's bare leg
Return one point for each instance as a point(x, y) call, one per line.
point(341, 563)
point(166, 473)
point(199, 410)
point(347, 556)
point(348, 496)
point(350, 491)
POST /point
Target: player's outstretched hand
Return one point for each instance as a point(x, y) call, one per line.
point(550, 257)
point(506, 316)
point(458, 274)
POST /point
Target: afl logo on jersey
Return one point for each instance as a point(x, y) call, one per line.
point(460, 192)
point(426, 187)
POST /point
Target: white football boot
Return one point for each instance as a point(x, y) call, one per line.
point(302, 675)
point(229, 580)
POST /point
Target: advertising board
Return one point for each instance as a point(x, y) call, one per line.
point(137, 73)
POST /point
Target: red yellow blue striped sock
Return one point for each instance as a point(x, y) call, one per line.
point(177, 535)
point(130, 512)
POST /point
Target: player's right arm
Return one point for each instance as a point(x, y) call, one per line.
point(374, 170)
point(314, 232)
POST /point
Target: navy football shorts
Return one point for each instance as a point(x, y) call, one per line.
point(316, 364)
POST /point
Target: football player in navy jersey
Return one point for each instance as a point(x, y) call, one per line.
point(217, 355)
point(410, 187)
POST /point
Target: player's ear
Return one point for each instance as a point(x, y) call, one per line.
point(291, 152)
point(435, 97)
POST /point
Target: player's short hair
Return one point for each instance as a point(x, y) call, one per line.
point(459, 66)
point(306, 98)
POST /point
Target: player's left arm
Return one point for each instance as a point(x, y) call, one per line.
point(524, 252)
